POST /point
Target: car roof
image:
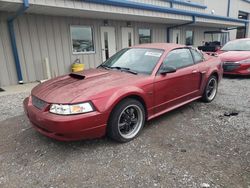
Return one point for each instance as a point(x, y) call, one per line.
point(163, 46)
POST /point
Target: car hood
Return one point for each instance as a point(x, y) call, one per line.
point(233, 56)
point(83, 86)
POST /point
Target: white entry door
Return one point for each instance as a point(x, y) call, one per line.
point(108, 42)
point(176, 36)
point(127, 37)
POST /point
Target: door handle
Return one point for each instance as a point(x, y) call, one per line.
point(194, 71)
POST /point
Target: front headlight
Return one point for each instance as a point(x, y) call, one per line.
point(71, 109)
point(244, 61)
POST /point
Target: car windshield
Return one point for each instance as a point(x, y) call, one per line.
point(138, 60)
point(237, 45)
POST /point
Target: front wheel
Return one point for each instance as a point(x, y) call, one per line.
point(126, 120)
point(210, 90)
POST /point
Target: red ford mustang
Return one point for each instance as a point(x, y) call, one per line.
point(135, 85)
point(236, 57)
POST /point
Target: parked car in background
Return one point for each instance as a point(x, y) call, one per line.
point(213, 41)
point(235, 56)
point(134, 85)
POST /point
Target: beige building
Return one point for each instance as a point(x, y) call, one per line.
point(58, 32)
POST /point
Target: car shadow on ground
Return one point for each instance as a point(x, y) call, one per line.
point(20, 133)
point(107, 142)
point(239, 77)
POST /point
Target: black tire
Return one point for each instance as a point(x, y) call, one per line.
point(120, 118)
point(210, 93)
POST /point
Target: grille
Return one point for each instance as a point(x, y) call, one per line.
point(38, 103)
point(230, 66)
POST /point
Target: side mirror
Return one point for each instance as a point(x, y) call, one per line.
point(167, 69)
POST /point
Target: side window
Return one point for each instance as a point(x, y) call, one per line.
point(198, 57)
point(179, 58)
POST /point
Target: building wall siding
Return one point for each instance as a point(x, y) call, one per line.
point(81, 4)
point(202, 2)
point(7, 66)
point(188, 8)
point(40, 36)
point(219, 7)
point(154, 2)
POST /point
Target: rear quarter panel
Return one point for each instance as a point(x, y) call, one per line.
point(211, 65)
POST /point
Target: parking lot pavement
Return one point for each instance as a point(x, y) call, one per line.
point(193, 146)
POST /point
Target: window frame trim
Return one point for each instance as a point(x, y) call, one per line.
point(192, 36)
point(202, 60)
point(93, 38)
point(151, 35)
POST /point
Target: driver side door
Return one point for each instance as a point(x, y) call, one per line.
point(172, 89)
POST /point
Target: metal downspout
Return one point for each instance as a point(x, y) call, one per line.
point(171, 4)
point(175, 26)
point(11, 29)
point(228, 8)
point(246, 25)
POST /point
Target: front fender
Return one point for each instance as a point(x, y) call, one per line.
point(108, 102)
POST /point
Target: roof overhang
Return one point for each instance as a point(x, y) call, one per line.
point(123, 10)
point(97, 13)
point(11, 6)
point(208, 18)
point(187, 3)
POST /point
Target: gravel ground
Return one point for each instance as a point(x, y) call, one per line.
point(193, 146)
point(11, 105)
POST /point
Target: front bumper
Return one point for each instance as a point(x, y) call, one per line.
point(231, 68)
point(66, 128)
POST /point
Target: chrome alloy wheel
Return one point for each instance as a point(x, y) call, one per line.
point(130, 121)
point(211, 89)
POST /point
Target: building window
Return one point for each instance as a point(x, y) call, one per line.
point(144, 36)
point(82, 39)
point(241, 31)
point(189, 37)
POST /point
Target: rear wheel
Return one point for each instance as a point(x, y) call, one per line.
point(211, 89)
point(126, 120)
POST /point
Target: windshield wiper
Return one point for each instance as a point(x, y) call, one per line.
point(124, 69)
point(104, 66)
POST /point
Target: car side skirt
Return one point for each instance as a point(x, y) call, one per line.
point(172, 108)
